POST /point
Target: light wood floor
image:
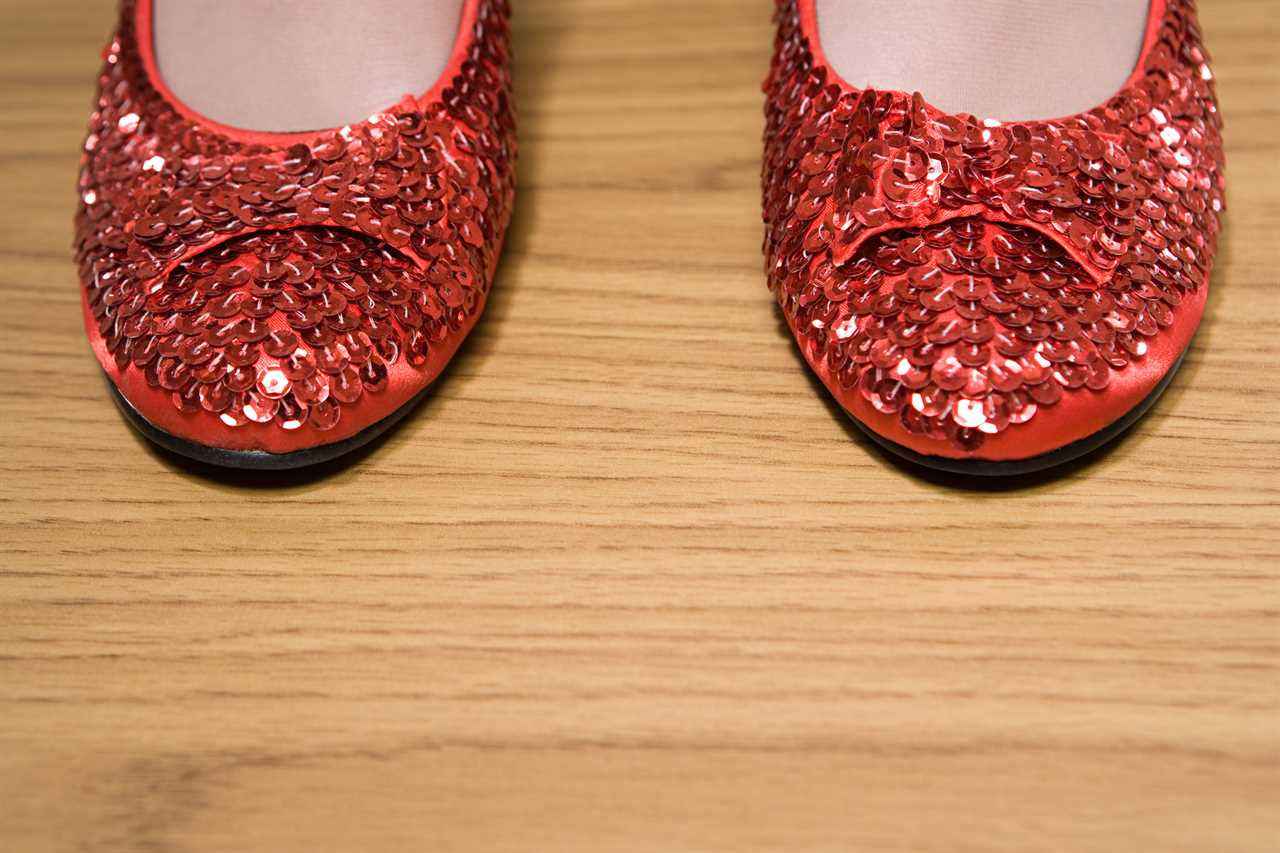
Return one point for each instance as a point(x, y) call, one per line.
point(627, 582)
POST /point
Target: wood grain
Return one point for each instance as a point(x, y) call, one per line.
point(626, 581)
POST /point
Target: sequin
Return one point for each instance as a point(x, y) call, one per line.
point(965, 275)
point(280, 284)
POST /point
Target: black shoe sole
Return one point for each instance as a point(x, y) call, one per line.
point(1032, 464)
point(260, 460)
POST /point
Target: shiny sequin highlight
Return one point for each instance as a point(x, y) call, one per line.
point(277, 283)
point(962, 276)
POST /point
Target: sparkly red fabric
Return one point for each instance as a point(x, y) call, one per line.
point(269, 291)
point(982, 289)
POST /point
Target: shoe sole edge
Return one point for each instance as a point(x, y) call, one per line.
point(988, 468)
point(258, 460)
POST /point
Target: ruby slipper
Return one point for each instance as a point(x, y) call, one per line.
point(992, 297)
point(271, 300)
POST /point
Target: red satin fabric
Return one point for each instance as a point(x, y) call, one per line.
point(468, 136)
point(845, 175)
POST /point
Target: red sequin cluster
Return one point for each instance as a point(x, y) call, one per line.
point(277, 283)
point(961, 274)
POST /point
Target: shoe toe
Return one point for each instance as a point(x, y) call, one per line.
point(282, 340)
point(976, 339)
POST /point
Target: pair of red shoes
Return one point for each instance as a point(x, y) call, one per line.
point(980, 296)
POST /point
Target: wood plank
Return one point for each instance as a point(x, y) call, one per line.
point(627, 581)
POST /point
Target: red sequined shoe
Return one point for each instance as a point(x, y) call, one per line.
point(992, 297)
point(271, 300)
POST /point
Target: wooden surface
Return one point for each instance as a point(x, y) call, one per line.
point(627, 581)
